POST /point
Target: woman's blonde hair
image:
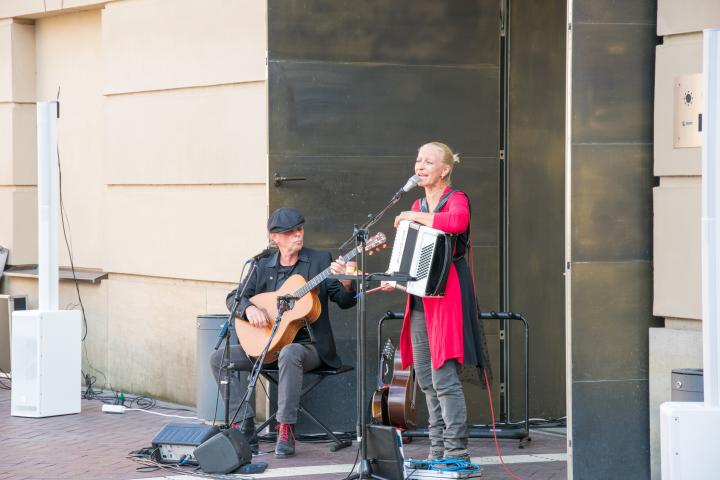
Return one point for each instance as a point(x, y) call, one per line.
point(449, 158)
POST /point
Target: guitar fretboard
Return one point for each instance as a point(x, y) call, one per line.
point(322, 275)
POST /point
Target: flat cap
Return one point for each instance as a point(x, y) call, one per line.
point(285, 219)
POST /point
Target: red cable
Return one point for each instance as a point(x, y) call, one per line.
point(497, 445)
point(487, 383)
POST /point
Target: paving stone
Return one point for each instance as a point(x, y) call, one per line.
point(93, 445)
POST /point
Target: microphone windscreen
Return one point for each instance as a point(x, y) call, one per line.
point(411, 183)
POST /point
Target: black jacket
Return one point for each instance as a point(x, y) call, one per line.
point(310, 263)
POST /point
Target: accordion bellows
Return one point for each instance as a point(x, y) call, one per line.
point(424, 253)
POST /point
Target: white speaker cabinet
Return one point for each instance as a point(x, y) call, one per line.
point(46, 363)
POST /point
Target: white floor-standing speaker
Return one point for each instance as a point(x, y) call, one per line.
point(46, 363)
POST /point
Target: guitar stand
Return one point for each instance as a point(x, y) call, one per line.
point(503, 429)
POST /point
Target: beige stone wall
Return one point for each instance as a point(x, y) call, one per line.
point(163, 147)
point(18, 231)
point(677, 209)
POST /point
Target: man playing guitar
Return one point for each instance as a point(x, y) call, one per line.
point(313, 345)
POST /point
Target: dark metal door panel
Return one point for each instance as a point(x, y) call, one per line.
point(352, 96)
point(331, 108)
point(341, 190)
point(425, 32)
point(536, 179)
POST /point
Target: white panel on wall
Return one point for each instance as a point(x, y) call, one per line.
point(18, 150)
point(199, 232)
point(18, 224)
point(683, 16)
point(188, 136)
point(69, 54)
point(6, 61)
point(164, 44)
point(17, 61)
point(151, 336)
point(675, 58)
point(676, 239)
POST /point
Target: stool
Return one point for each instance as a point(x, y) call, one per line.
point(270, 372)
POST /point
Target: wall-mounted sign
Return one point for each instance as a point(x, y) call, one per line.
point(687, 113)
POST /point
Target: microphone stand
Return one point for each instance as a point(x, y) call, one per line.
point(372, 220)
point(361, 235)
point(225, 334)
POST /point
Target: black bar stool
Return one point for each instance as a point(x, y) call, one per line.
point(271, 373)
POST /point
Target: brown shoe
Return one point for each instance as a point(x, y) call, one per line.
point(285, 445)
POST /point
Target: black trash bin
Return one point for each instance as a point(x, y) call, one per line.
point(687, 385)
point(209, 403)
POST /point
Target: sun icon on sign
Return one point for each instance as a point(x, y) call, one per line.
point(688, 98)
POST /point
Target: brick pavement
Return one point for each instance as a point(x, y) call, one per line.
point(94, 445)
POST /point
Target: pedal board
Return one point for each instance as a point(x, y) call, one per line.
point(421, 470)
point(177, 441)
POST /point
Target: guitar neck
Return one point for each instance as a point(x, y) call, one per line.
point(320, 277)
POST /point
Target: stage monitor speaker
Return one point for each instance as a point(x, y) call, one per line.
point(384, 452)
point(176, 441)
point(225, 452)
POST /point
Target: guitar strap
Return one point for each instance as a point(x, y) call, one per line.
point(443, 200)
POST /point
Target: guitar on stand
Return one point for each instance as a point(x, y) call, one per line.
point(393, 403)
point(380, 396)
point(304, 309)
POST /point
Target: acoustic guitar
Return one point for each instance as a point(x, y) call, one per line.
point(401, 396)
point(306, 308)
point(394, 403)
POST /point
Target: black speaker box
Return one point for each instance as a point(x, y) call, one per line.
point(383, 452)
point(223, 453)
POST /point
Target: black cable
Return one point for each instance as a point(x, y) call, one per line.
point(148, 459)
point(352, 469)
point(63, 219)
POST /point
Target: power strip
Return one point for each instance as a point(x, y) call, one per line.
point(113, 408)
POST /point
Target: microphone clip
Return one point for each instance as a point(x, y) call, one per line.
point(265, 253)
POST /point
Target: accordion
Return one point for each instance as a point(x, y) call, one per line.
point(425, 254)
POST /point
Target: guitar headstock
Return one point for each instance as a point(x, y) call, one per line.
point(376, 243)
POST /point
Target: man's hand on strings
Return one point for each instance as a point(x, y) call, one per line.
point(257, 318)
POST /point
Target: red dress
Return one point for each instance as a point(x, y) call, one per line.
point(444, 315)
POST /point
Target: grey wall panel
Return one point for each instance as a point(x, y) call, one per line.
point(613, 45)
point(612, 202)
point(609, 439)
point(401, 31)
point(355, 186)
point(320, 108)
point(621, 11)
point(536, 183)
point(608, 342)
point(612, 81)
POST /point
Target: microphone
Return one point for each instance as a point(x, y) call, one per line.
point(268, 251)
point(409, 185)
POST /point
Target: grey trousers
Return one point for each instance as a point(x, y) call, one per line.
point(447, 422)
point(294, 360)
